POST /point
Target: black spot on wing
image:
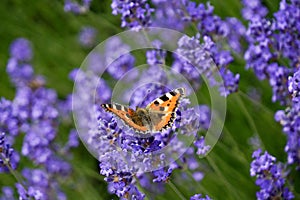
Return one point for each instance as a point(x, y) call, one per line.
point(172, 93)
point(161, 108)
point(118, 107)
point(156, 103)
point(106, 106)
point(164, 98)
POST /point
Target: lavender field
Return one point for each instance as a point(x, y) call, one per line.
point(158, 99)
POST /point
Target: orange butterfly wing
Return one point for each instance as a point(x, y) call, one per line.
point(163, 109)
point(125, 114)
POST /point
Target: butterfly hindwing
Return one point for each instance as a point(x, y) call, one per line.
point(126, 115)
point(163, 109)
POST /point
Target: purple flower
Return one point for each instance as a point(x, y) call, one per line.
point(37, 193)
point(73, 140)
point(199, 197)
point(156, 56)
point(270, 176)
point(195, 59)
point(231, 82)
point(202, 148)
point(8, 119)
point(253, 10)
point(168, 14)
point(8, 156)
point(290, 120)
point(198, 176)
point(117, 61)
point(122, 184)
point(270, 42)
point(20, 73)
point(76, 8)
point(33, 112)
point(294, 86)
point(7, 193)
point(21, 50)
point(121, 65)
point(277, 79)
point(162, 175)
point(87, 36)
point(236, 34)
point(135, 14)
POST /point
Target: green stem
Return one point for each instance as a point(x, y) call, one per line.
point(200, 186)
point(221, 176)
point(248, 116)
point(254, 101)
point(16, 175)
point(175, 189)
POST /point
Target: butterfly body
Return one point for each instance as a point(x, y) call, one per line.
point(157, 116)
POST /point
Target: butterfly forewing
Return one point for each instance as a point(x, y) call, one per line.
point(126, 115)
point(162, 110)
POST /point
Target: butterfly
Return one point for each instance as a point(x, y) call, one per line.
point(158, 115)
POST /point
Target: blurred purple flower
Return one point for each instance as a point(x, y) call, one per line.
point(8, 119)
point(253, 9)
point(7, 193)
point(121, 66)
point(21, 50)
point(77, 8)
point(236, 34)
point(87, 36)
point(198, 176)
point(157, 55)
point(20, 73)
point(168, 14)
point(118, 62)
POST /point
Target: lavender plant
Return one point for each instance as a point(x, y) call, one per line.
point(181, 162)
point(34, 114)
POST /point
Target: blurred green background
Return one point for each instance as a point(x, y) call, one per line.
point(54, 35)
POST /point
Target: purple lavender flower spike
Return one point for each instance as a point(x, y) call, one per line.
point(270, 177)
point(290, 120)
point(270, 42)
point(21, 50)
point(8, 156)
point(19, 70)
point(200, 197)
point(135, 14)
point(294, 86)
point(202, 148)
